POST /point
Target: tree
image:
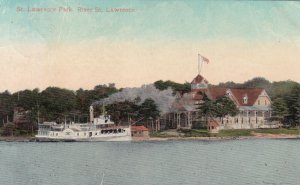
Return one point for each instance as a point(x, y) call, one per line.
point(162, 85)
point(257, 82)
point(148, 109)
point(6, 106)
point(293, 102)
point(121, 111)
point(8, 129)
point(282, 89)
point(280, 110)
point(230, 84)
point(57, 102)
point(27, 99)
point(84, 98)
point(225, 106)
point(207, 108)
point(219, 108)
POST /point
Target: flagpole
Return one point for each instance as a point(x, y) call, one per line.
point(199, 65)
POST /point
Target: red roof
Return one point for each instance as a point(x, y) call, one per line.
point(238, 94)
point(216, 92)
point(139, 128)
point(252, 95)
point(199, 79)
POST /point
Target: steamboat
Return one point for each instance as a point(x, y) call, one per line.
point(98, 129)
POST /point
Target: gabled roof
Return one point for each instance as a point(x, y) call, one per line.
point(199, 79)
point(238, 94)
point(252, 95)
point(216, 92)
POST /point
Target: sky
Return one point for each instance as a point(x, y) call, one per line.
point(156, 40)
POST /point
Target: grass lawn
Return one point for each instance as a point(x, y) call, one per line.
point(196, 133)
point(158, 134)
point(181, 133)
point(234, 133)
point(292, 131)
point(224, 133)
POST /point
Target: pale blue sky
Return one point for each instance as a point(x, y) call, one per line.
point(169, 20)
point(159, 40)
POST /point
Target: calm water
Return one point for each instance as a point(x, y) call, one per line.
point(167, 162)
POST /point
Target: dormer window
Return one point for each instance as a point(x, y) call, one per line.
point(228, 93)
point(245, 99)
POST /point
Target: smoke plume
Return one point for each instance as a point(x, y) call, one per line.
point(163, 99)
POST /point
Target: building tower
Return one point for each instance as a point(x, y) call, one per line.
point(199, 84)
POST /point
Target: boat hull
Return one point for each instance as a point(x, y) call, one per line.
point(90, 139)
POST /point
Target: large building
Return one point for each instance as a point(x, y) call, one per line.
point(254, 106)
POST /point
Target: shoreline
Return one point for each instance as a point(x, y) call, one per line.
point(257, 136)
point(141, 139)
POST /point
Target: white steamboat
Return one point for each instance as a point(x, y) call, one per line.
point(98, 129)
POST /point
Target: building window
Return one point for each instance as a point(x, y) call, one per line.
point(258, 102)
point(245, 99)
point(265, 102)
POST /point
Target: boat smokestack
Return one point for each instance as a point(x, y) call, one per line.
point(91, 114)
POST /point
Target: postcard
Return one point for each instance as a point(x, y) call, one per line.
point(149, 92)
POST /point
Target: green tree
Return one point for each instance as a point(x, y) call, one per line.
point(219, 108)
point(8, 129)
point(162, 85)
point(293, 102)
point(57, 102)
point(230, 84)
point(27, 99)
point(280, 110)
point(282, 89)
point(148, 109)
point(6, 107)
point(257, 82)
point(207, 108)
point(121, 111)
point(84, 98)
point(225, 106)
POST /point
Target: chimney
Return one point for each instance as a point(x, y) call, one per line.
point(91, 114)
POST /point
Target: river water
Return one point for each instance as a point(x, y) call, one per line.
point(157, 162)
